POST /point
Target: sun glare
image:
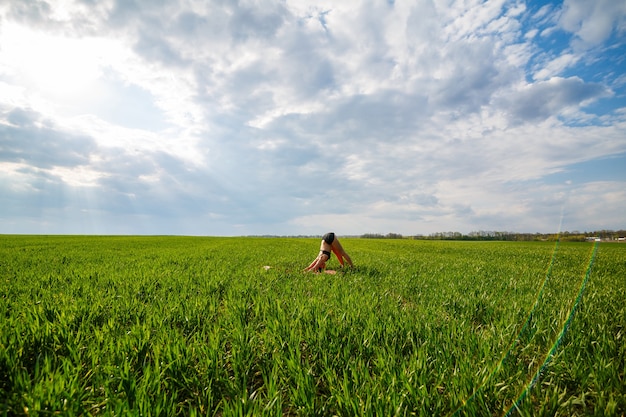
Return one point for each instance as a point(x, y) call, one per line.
point(52, 66)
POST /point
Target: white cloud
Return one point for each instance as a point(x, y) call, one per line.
point(553, 97)
point(260, 117)
point(593, 22)
point(556, 66)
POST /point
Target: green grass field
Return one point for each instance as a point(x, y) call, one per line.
point(196, 326)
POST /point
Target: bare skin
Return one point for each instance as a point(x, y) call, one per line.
point(319, 263)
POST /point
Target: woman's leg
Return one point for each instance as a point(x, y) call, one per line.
point(340, 252)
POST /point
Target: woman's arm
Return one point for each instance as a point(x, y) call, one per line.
point(318, 263)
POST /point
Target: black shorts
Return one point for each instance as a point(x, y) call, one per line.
point(329, 238)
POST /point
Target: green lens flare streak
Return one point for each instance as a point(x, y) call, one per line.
point(517, 336)
point(557, 343)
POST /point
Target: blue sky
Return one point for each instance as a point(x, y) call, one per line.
point(292, 117)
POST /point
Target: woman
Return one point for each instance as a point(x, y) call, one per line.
point(329, 243)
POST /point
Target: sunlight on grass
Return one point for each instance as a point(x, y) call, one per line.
point(199, 326)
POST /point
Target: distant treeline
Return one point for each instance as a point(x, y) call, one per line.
point(574, 236)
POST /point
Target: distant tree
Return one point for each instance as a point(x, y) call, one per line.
point(372, 236)
point(394, 236)
point(564, 236)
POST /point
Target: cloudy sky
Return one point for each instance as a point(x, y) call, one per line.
point(289, 117)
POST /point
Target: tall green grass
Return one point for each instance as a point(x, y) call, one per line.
point(197, 326)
